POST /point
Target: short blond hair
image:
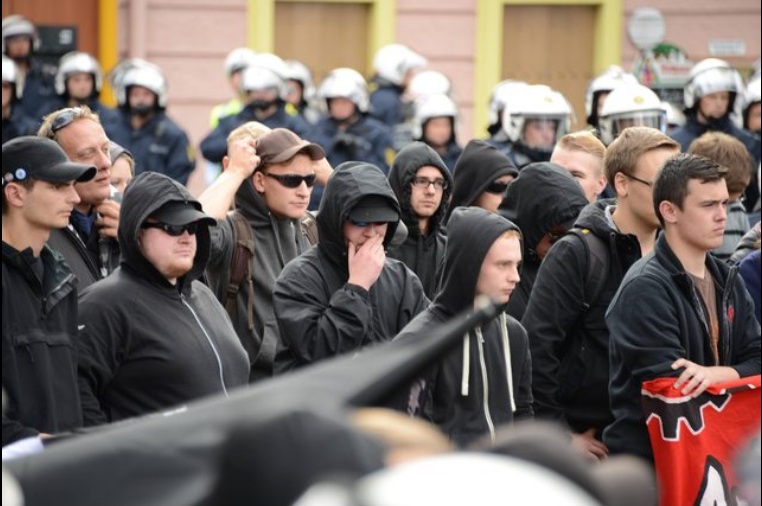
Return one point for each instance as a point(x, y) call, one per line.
point(250, 129)
point(584, 140)
point(623, 154)
point(80, 112)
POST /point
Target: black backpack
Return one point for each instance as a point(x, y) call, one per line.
point(598, 265)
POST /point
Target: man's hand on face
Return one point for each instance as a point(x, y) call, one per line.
point(366, 262)
point(108, 218)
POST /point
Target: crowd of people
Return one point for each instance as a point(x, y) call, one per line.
point(339, 220)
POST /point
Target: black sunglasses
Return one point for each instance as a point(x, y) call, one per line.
point(293, 180)
point(363, 224)
point(497, 187)
point(65, 118)
point(174, 230)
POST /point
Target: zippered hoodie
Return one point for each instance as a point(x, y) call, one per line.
point(424, 255)
point(483, 383)
point(656, 318)
point(319, 314)
point(146, 345)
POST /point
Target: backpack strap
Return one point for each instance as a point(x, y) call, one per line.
point(241, 266)
point(597, 267)
point(309, 227)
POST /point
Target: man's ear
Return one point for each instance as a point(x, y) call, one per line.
point(258, 179)
point(668, 211)
point(620, 184)
point(225, 162)
point(601, 185)
point(14, 194)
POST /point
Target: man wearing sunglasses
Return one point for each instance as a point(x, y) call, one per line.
point(480, 177)
point(344, 293)
point(39, 291)
point(151, 335)
point(269, 175)
point(422, 183)
point(576, 282)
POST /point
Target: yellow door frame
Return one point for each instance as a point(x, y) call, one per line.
point(108, 43)
point(489, 47)
point(260, 24)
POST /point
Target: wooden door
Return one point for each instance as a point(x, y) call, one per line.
point(323, 36)
point(551, 45)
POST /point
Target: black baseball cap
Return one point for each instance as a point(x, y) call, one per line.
point(374, 209)
point(31, 157)
point(178, 212)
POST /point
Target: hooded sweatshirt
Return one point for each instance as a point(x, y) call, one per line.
point(483, 383)
point(277, 241)
point(319, 314)
point(144, 344)
point(423, 254)
point(479, 166)
point(544, 195)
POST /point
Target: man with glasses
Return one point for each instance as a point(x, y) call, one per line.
point(269, 175)
point(344, 293)
point(152, 336)
point(422, 183)
point(39, 291)
point(568, 337)
point(480, 177)
point(89, 241)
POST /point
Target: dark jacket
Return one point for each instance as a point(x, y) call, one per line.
point(319, 314)
point(543, 196)
point(655, 319)
point(39, 88)
point(567, 331)
point(146, 345)
point(386, 102)
point(215, 145)
point(424, 255)
point(452, 154)
point(521, 156)
point(18, 124)
point(749, 269)
point(453, 397)
point(160, 145)
point(366, 140)
point(478, 167)
point(277, 241)
point(39, 354)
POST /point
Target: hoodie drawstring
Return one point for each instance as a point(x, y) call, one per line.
point(466, 366)
point(507, 355)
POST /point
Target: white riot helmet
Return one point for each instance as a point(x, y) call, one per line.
point(116, 75)
point(433, 106)
point(146, 75)
point(10, 75)
point(238, 59)
point(427, 83)
point(266, 71)
point(751, 96)
point(16, 25)
point(500, 95)
point(712, 75)
point(674, 116)
point(394, 61)
point(345, 82)
point(630, 105)
point(75, 62)
point(535, 102)
point(611, 78)
point(298, 71)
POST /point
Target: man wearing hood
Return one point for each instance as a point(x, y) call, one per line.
point(422, 183)
point(565, 314)
point(485, 382)
point(151, 336)
point(270, 174)
point(344, 293)
point(480, 177)
point(543, 201)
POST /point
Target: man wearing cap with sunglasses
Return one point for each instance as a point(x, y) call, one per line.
point(344, 293)
point(270, 179)
point(152, 336)
point(39, 290)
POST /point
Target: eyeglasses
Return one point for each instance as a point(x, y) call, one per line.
point(424, 183)
point(174, 230)
point(293, 180)
point(642, 181)
point(65, 118)
point(497, 187)
point(363, 224)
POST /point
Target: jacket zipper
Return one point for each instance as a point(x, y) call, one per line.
point(485, 384)
point(209, 340)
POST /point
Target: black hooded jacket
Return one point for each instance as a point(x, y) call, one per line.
point(544, 195)
point(655, 318)
point(424, 254)
point(471, 391)
point(277, 241)
point(567, 331)
point(319, 314)
point(479, 166)
point(144, 344)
